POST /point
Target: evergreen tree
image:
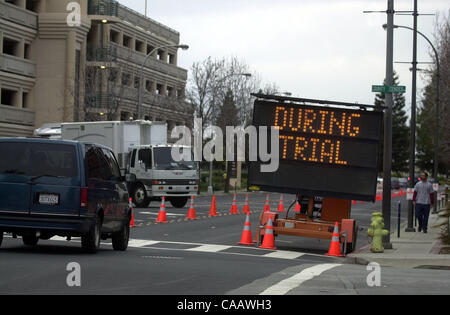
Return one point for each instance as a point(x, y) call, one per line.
point(425, 132)
point(400, 132)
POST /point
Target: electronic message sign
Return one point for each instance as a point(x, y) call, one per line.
point(324, 151)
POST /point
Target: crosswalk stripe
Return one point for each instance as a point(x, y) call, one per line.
point(209, 248)
point(141, 243)
point(284, 255)
point(283, 287)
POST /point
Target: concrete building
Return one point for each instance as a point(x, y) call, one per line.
point(60, 66)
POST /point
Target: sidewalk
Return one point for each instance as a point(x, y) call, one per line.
point(411, 250)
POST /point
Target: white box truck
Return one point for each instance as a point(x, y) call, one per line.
point(144, 156)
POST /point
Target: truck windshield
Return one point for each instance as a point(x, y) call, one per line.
point(164, 161)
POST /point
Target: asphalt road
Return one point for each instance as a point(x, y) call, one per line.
point(202, 257)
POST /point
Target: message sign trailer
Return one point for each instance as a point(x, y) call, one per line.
point(328, 150)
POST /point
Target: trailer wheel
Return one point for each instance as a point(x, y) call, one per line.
point(140, 197)
point(351, 247)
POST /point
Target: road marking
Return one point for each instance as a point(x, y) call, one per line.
point(167, 213)
point(141, 243)
point(283, 287)
point(209, 248)
point(284, 255)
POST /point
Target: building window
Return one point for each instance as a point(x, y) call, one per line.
point(172, 59)
point(27, 51)
point(170, 91)
point(127, 41)
point(32, 5)
point(148, 86)
point(149, 49)
point(114, 37)
point(25, 100)
point(139, 46)
point(136, 82)
point(161, 55)
point(126, 79)
point(159, 89)
point(11, 47)
point(125, 116)
point(9, 97)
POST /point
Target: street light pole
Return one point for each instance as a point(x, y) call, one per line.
point(211, 163)
point(389, 100)
point(184, 47)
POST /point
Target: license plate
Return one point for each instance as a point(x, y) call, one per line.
point(47, 199)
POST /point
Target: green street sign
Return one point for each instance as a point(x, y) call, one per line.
point(378, 89)
point(397, 89)
point(388, 89)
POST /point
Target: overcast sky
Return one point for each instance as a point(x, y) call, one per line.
point(324, 49)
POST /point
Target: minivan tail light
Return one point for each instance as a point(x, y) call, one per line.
point(84, 198)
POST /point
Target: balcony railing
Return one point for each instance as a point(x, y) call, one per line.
point(14, 115)
point(100, 101)
point(17, 65)
point(18, 15)
point(108, 54)
point(103, 7)
point(137, 58)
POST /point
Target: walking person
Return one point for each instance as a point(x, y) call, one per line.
point(423, 200)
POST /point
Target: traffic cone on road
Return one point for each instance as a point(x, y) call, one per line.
point(191, 211)
point(335, 247)
point(298, 208)
point(246, 238)
point(234, 209)
point(130, 204)
point(269, 238)
point(246, 208)
point(267, 204)
point(281, 204)
point(162, 216)
point(213, 208)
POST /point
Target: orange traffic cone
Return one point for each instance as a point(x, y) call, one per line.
point(246, 238)
point(234, 209)
point(269, 238)
point(162, 216)
point(335, 247)
point(213, 208)
point(130, 204)
point(298, 208)
point(267, 205)
point(281, 204)
point(246, 209)
point(191, 211)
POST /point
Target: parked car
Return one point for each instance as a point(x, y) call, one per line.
point(395, 183)
point(62, 188)
point(403, 182)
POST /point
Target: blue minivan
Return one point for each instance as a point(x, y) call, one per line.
point(62, 188)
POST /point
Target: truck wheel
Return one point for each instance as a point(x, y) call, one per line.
point(179, 202)
point(140, 197)
point(120, 239)
point(90, 242)
point(30, 240)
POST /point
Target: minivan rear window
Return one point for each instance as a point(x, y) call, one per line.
point(38, 159)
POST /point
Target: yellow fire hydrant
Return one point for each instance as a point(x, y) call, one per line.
point(377, 232)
